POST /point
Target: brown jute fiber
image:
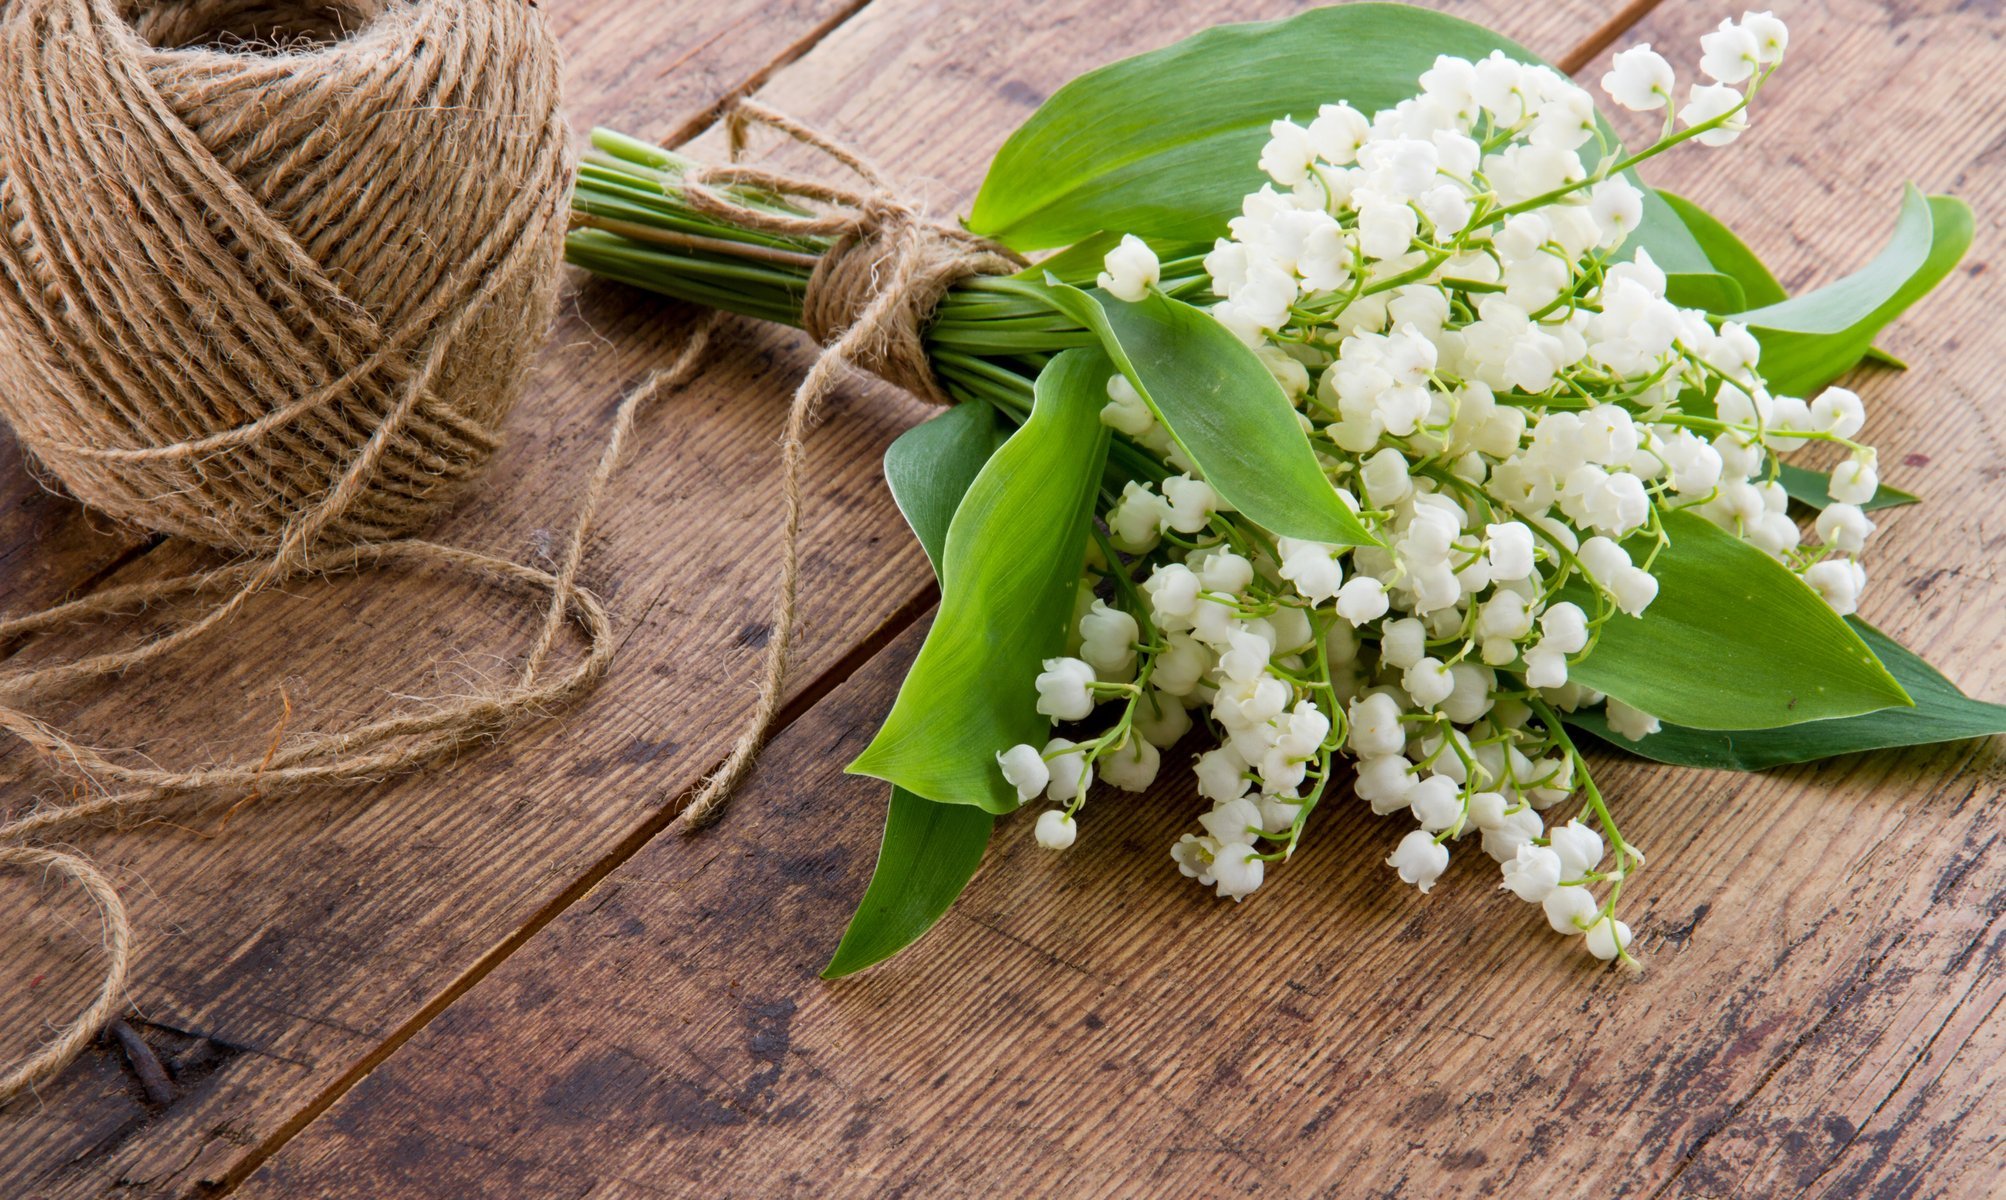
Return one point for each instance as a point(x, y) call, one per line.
point(272, 286)
point(868, 304)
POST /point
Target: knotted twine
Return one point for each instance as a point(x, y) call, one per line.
point(868, 303)
point(275, 301)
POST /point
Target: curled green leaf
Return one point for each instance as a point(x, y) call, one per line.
point(1009, 571)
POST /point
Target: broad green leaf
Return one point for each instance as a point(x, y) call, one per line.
point(1813, 488)
point(1223, 407)
point(929, 853)
point(1692, 278)
point(1009, 571)
point(1734, 641)
point(1165, 145)
point(930, 466)
point(1728, 254)
point(1810, 340)
point(1942, 713)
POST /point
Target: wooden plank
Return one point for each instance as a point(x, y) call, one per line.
point(319, 931)
point(49, 546)
point(1819, 1014)
point(660, 70)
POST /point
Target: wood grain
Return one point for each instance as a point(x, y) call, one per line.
point(49, 545)
point(1820, 1015)
point(291, 954)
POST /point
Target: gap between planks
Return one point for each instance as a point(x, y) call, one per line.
point(867, 648)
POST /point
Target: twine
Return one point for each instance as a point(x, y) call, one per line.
point(276, 301)
point(868, 304)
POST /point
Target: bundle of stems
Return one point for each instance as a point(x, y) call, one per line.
point(990, 335)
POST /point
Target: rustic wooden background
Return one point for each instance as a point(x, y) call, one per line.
point(502, 978)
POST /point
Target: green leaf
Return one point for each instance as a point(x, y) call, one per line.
point(1224, 408)
point(929, 853)
point(1728, 254)
point(1165, 145)
point(1009, 571)
point(1813, 488)
point(1942, 713)
point(1734, 641)
point(1692, 279)
point(1810, 340)
point(930, 467)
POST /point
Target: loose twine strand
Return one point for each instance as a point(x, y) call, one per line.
point(115, 334)
point(356, 755)
point(868, 303)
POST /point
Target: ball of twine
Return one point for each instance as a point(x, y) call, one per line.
point(265, 265)
point(270, 276)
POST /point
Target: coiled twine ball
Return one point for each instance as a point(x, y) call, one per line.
point(273, 272)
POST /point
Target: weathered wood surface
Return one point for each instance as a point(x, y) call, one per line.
point(48, 544)
point(1821, 1014)
point(280, 962)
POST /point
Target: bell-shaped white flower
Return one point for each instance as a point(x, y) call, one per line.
point(1311, 568)
point(1072, 773)
point(1419, 859)
point(1639, 79)
point(1854, 481)
point(1375, 726)
point(1132, 766)
point(1125, 409)
point(1130, 270)
point(1532, 873)
point(1844, 527)
point(1024, 769)
point(1065, 689)
point(1729, 53)
point(1222, 775)
point(1437, 803)
point(1570, 908)
point(1362, 599)
point(1192, 503)
point(1608, 938)
point(1237, 870)
point(1632, 723)
point(1107, 641)
point(1055, 829)
point(1579, 847)
point(1771, 35)
point(1707, 102)
point(1839, 582)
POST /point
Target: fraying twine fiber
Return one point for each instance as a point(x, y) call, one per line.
point(273, 287)
point(868, 304)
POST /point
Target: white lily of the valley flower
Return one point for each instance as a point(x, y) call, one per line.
point(1419, 859)
point(1640, 79)
point(1131, 270)
point(1024, 769)
point(1065, 689)
point(1056, 829)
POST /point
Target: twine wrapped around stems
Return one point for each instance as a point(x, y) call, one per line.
point(868, 304)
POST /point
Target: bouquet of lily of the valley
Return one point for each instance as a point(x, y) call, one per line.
point(1373, 430)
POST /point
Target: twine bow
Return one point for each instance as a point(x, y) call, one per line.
point(868, 303)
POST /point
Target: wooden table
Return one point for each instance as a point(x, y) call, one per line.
point(502, 977)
